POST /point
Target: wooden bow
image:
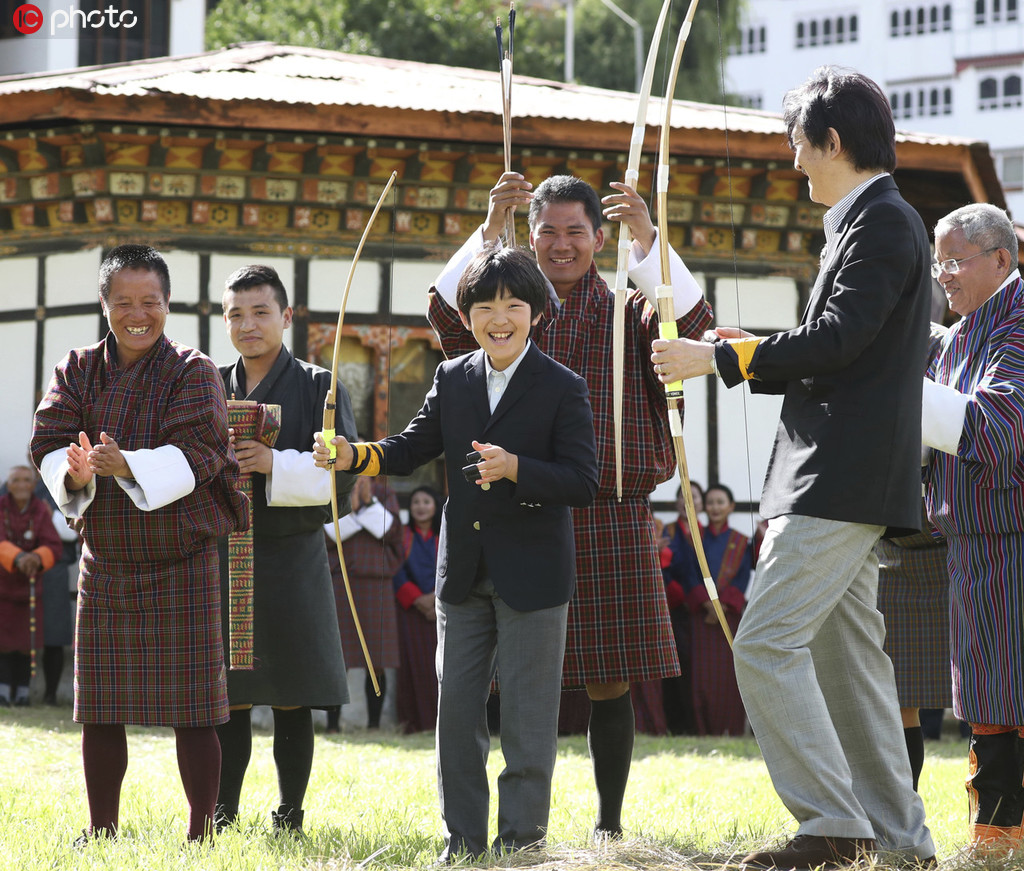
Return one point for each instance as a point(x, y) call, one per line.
point(505, 71)
point(632, 177)
point(667, 318)
point(329, 432)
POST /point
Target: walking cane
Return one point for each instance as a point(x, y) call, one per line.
point(32, 625)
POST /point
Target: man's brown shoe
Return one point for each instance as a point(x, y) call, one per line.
point(812, 851)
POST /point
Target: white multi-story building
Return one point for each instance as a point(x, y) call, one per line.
point(949, 68)
point(62, 34)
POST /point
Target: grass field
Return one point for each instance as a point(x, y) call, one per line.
point(692, 804)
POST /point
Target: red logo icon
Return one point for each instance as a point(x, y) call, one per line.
point(28, 18)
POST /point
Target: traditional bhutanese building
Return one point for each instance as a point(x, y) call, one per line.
point(276, 154)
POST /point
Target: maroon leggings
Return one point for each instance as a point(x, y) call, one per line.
point(105, 758)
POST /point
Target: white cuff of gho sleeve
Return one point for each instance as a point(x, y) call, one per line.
point(53, 469)
point(943, 411)
point(447, 281)
point(295, 480)
point(347, 526)
point(162, 476)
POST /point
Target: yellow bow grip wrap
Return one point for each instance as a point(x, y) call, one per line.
point(667, 330)
point(329, 435)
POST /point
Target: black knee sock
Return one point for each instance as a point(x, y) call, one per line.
point(915, 750)
point(293, 755)
point(53, 668)
point(235, 738)
point(199, 758)
point(610, 738)
point(104, 759)
point(334, 718)
point(374, 703)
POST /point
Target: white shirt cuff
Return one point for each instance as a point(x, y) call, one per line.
point(60, 523)
point(53, 471)
point(943, 411)
point(448, 281)
point(294, 481)
point(347, 525)
point(375, 519)
point(646, 275)
point(162, 476)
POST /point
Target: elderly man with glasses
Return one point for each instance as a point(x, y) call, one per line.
point(973, 421)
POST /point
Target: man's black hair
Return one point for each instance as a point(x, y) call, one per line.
point(854, 106)
point(136, 257)
point(256, 275)
point(566, 189)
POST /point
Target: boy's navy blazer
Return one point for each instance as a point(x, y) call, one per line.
point(522, 530)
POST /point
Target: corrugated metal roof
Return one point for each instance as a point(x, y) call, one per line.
point(296, 75)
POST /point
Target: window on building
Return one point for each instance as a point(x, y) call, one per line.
point(947, 17)
point(979, 11)
point(1012, 170)
point(947, 101)
point(988, 94)
point(813, 33)
point(840, 29)
point(894, 102)
point(762, 39)
point(933, 102)
point(997, 10)
point(920, 19)
point(800, 34)
point(1011, 10)
point(826, 32)
point(908, 105)
point(853, 28)
point(908, 22)
point(894, 24)
point(149, 37)
point(1011, 92)
point(933, 19)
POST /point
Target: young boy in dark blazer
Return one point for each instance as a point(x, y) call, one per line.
point(506, 558)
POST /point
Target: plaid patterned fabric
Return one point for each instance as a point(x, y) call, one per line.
point(148, 645)
point(256, 422)
point(913, 595)
point(416, 698)
point(371, 564)
point(619, 627)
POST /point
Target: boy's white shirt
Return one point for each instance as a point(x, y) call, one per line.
point(645, 273)
point(161, 476)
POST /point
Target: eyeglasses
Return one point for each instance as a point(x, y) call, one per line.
point(952, 267)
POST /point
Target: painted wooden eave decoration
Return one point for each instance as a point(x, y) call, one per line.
point(264, 86)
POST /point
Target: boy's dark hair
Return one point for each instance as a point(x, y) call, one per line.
point(497, 271)
point(723, 488)
point(140, 257)
point(256, 275)
point(854, 106)
point(566, 189)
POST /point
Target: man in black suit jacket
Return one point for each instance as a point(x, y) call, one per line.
point(816, 684)
point(506, 561)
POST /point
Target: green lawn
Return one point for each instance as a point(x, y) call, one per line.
point(692, 803)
